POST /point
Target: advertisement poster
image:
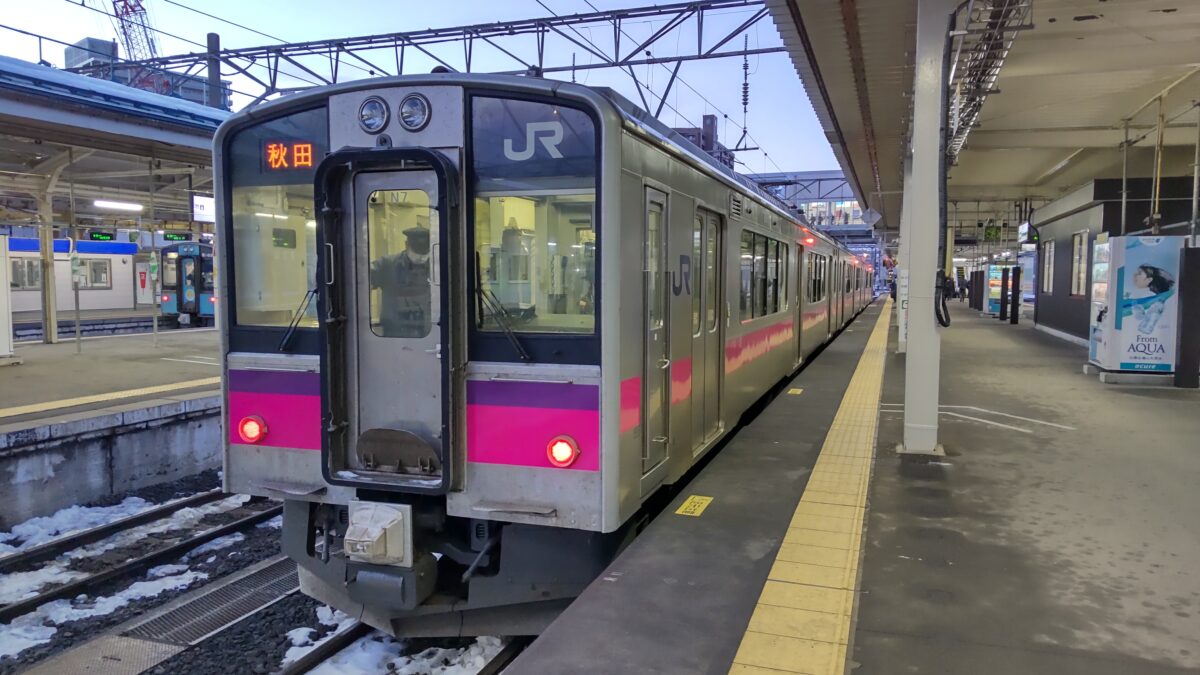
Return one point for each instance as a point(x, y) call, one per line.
point(994, 280)
point(1147, 303)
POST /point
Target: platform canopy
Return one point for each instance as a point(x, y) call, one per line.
point(1049, 95)
point(63, 133)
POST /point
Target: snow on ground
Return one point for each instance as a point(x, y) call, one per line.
point(216, 545)
point(274, 523)
point(39, 626)
point(302, 637)
point(20, 585)
point(378, 653)
point(37, 531)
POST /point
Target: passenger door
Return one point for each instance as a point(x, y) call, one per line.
point(707, 328)
point(656, 380)
point(189, 295)
point(395, 373)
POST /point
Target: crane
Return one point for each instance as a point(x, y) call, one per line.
point(133, 27)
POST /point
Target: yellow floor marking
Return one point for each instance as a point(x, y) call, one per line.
point(796, 391)
point(693, 506)
point(803, 619)
point(110, 396)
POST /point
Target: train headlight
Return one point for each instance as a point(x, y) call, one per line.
point(414, 112)
point(252, 429)
point(562, 451)
point(373, 115)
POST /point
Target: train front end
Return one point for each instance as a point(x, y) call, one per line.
point(411, 282)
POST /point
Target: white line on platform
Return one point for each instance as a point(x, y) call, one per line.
point(63, 335)
point(983, 421)
point(203, 363)
point(897, 407)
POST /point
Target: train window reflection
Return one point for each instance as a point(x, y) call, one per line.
point(274, 270)
point(537, 261)
point(399, 230)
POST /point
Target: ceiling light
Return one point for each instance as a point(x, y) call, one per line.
point(117, 206)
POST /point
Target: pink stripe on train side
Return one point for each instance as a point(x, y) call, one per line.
point(747, 348)
point(518, 436)
point(293, 421)
point(631, 403)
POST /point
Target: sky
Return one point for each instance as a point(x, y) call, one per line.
point(780, 119)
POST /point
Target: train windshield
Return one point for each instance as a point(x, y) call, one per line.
point(273, 226)
point(534, 189)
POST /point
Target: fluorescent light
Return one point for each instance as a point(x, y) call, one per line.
point(310, 224)
point(119, 206)
point(271, 215)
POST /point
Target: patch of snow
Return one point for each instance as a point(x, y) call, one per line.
point(216, 545)
point(349, 475)
point(301, 637)
point(378, 653)
point(20, 585)
point(327, 616)
point(274, 523)
point(210, 560)
point(165, 570)
point(40, 625)
point(37, 531)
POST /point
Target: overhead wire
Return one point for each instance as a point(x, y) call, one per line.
point(79, 3)
point(689, 86)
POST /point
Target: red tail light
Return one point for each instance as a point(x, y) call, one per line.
point(252, 429)
point(166, 298)
point(562, 451)
point(809, 241)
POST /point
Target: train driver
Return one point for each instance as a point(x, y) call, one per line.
point(403, 280)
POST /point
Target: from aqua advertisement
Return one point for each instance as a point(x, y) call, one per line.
point(994, 281)
point(1147, 303)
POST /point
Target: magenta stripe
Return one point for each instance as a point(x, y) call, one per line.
point(275, 382)
point(534, 394)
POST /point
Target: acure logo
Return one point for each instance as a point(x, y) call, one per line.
point(549, 133)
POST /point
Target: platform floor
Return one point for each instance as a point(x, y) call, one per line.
point(1060, 535)
point(54, 379)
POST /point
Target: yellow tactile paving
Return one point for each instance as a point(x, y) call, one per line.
point(802, 621)
point(104, 398)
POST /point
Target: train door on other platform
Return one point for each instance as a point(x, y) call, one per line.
point(707, 328)
point(656, 381)
point(800, 299)
point(189, 292)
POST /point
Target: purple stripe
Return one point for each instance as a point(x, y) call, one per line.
point(275, 382)
point(534, 394)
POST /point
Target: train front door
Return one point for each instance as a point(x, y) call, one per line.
point(396, 376)
point(656, 379)
point(707, 328)
point(189, 289)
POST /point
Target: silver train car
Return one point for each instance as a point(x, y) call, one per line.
point(474, 325)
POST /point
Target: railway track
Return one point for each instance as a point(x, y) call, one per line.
point(129, 567)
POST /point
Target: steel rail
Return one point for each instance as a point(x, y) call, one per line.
point(53, 548)
point(69, 590)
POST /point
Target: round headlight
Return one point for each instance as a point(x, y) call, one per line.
point(373, 115)
point(414, 112)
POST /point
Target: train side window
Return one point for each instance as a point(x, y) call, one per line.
point(26, 274)
point(760, 275)
point(772, 302)
point(747, 274)
point(699, 272)
point(710, 273)
point(399, 223)
point(98, 274)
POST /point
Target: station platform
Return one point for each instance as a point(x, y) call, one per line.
point(27, 326)
point(1056, 536)
point(120, 369)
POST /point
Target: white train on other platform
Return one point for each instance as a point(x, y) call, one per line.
point(472, 324)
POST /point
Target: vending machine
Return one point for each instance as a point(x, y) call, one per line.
point(1134, 303)
point(995, 278)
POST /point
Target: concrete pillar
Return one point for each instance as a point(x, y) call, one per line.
point(923, 360)
point(46, 245)
point(902, 264)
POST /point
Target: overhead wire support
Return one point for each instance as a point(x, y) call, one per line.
point(494, 34)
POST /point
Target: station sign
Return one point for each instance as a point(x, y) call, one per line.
point(177, 236)
point(1027, 234)
point(97, 235)
point(204, 209)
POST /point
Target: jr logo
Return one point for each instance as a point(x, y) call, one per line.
point(551, 134)
point(681, 281)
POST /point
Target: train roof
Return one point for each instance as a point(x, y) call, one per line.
point(629, 112)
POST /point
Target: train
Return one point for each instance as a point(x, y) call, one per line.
point(474, 326)
point(188, 291)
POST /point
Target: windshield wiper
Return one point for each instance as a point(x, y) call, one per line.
point(499, 314)
point(286, 342)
